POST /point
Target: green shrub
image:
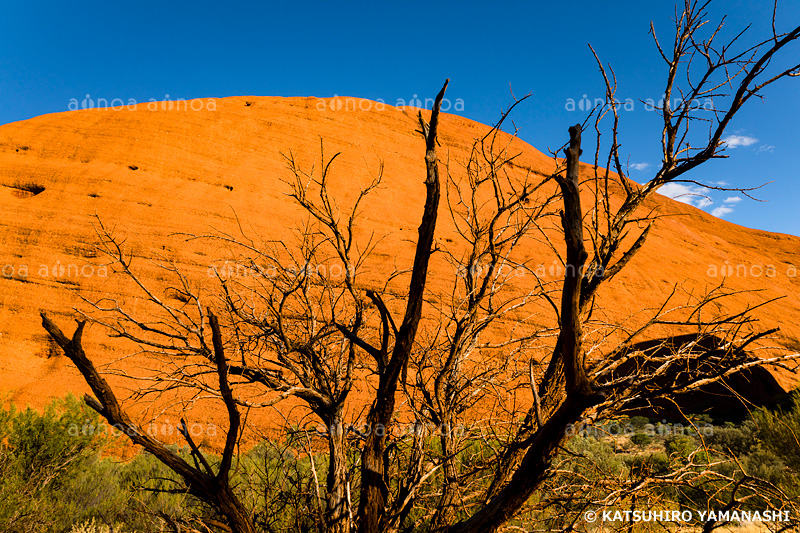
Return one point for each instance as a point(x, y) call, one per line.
point(736, 440)
point(679, 446)
point(641, 439)
point(93, 527)
point(52, 444)
point(648, 465)
point(54, 479)
point(780, 432)
point(777, 459)
point(39, 458)
point(592, 456)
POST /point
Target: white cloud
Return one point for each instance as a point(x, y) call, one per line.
point(721, 211)
point(703, 201)
point(688, 194)
point(765, 148)
point(735, 141)
point(727, 207)
point(640, 166)
point(698, 196)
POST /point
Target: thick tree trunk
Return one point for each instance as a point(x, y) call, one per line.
point(530, 473)
point(239, 520)
point(372, 500)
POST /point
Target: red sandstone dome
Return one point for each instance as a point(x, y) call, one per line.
point(153, 171)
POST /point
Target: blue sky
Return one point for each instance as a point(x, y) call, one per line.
point(52, 52)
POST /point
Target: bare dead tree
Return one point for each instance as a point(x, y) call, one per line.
point(202, 479)
point(390, 365)
point(282, 304)
point(291, 315)
point(300, 335)
point(744, 72)
point(494, 213)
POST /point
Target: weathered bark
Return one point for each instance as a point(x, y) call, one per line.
point(579, 394)
point(572, 220)
point(212, 488)
point(372, 503)
point(337, 512)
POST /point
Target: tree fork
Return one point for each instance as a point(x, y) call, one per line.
point(580, 394)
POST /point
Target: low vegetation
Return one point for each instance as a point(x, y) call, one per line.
point(512, 363)
point(58, 476)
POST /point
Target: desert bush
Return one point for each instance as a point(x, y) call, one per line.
point(679, 446)
point(777, 456)
point(648, 465)
point(39, 458)
point(593, 457)
point(53, 477)
point(735, 439)
point(93, 527)
point(279, 485)
point(641, 440)
point(780, 432)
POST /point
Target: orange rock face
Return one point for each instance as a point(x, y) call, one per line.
point(152, 171)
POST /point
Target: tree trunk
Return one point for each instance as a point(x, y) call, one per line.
point(239, 519)
point(337, 512)
point(372, 500)
point(580, 395)
point(530, 474)
point(372, 503)
point(445, 510)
